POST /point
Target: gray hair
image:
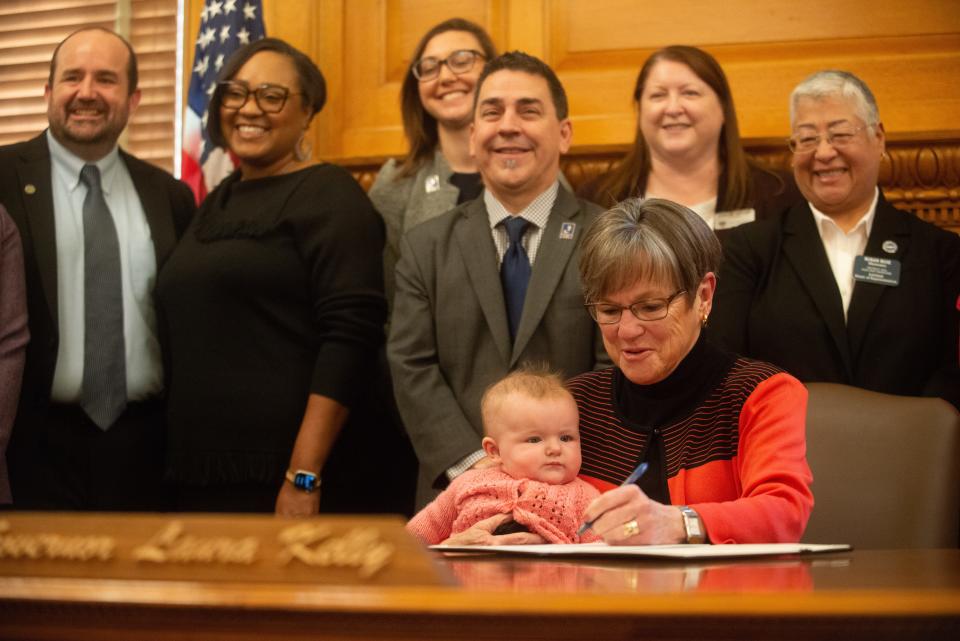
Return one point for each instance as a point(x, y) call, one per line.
point(647, 239)
point(838, 84)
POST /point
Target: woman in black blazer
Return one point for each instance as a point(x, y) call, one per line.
point(844, 287)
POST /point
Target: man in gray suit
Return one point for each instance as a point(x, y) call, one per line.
point(493, 283)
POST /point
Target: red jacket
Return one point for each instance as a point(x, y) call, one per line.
point(739, 459)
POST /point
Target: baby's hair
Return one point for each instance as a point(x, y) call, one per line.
point(535, 381)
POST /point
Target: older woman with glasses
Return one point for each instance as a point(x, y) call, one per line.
point(273, 305)
point(436, 102)
point(843, 287)
point(721, 436)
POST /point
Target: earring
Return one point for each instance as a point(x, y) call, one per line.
point(703, 320)
point(303, 148)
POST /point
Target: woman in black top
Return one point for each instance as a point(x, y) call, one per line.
point(274, 309)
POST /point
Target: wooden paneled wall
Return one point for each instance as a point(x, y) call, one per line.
point(908, 52)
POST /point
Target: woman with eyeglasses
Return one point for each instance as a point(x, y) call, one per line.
point(687, 146)
point(436, 103)
point(843, 287)
point(722, 435)
point(718, 440)
point(273, 305)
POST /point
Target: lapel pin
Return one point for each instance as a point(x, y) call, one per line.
point(567, 230)
point(889, 246)
point(29, 189)
point(432, 184)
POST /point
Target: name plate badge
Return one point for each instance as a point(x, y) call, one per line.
point(880, 271)
point(733, 218)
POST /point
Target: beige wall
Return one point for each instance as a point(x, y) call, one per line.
point(908, 52)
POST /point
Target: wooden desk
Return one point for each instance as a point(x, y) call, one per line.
point(904, 594)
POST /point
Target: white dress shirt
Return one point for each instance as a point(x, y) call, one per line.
point(537, 213)
point(139, 273)
point(843, 247)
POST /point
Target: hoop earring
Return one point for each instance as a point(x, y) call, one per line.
point(303, 148)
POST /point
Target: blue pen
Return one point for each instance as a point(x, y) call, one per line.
point(633, 478)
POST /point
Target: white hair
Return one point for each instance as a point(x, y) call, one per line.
point(837, 84)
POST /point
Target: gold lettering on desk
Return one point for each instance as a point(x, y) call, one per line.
point(54, 547)
point(315, 545)
point(171, 545)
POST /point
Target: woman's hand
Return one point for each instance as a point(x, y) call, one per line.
point(482, 534)
point(294, 502)
point(625, 516)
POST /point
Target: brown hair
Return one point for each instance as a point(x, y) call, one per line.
point(520, 61)
point(132, 73)
point(420, 127)
point(532, 380)
point(630, 177)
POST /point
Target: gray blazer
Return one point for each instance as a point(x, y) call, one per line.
point(405, 203)
point(449, 338)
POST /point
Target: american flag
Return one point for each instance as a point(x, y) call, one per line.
point(225, 26)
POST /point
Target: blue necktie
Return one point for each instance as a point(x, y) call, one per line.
point(515, 271)
point(103, 394)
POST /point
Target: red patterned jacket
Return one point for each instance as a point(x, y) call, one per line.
point(739, 459)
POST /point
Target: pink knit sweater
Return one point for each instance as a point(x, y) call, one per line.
point(552, 511)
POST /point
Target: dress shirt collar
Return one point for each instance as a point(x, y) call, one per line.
point(69, 164)
point(826, 225)
point(537, 212)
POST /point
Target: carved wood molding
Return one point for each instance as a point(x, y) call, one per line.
point(920, 176)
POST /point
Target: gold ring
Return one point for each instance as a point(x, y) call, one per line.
point(631, 528)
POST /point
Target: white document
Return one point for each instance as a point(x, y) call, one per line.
point(683, 551)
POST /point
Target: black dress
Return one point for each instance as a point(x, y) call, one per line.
point(276, 293)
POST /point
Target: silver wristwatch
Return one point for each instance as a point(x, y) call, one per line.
point(693, 525)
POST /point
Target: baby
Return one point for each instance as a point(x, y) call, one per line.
point(532, 437)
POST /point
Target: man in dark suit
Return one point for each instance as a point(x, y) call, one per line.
point(843, 287)
point(96, 225)
point(493, 283)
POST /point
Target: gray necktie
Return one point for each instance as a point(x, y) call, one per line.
point(103, 395)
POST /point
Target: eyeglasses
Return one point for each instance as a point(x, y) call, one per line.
point(459, 61)
point(270, 98)
point(838, 139)
point(651, 309)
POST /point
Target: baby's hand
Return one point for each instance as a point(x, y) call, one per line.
point(482, 534)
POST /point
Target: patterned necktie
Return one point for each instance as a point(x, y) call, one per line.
point(103, 395)
point(515, 271)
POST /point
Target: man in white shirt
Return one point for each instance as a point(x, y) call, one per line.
point(480, 291)
point(843, 287)
point(97, 224)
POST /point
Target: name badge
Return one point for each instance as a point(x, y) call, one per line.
point(733, 218)
point(881, 271)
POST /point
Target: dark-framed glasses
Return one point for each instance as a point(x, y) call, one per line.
point(804, 143)
point(459, 61)
point(270, 98)
point(649, 309)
